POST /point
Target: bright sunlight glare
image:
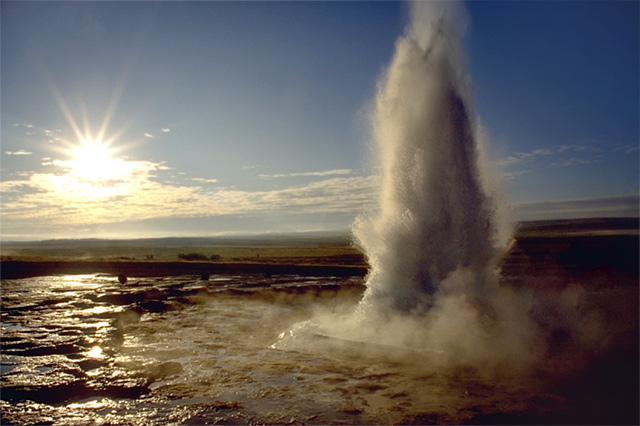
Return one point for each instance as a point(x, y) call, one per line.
point(91, 161)
point(95, 352)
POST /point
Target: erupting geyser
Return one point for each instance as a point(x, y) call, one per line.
point(435, 240)
point(437, 228)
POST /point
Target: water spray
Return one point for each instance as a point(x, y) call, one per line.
point(434, 216)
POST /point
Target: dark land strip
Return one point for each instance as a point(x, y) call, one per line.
point(12, 269)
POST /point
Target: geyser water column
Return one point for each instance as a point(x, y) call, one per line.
point(435, 239)
point(437, 228)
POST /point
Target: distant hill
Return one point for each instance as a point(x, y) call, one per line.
point(581, 225)
point(262, 240)
point(309, 239)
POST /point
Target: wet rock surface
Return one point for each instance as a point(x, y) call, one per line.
point(86, 349)
point(74, 348)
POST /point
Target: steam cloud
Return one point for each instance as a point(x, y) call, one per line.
point(441, 227)
point(435, 215)
point(435, 241)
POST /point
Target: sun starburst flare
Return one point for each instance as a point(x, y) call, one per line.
point(92, 162)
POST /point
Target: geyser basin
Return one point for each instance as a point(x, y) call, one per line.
point(179, 350)
point(436, 240)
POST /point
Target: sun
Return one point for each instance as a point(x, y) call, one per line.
point(92, 162)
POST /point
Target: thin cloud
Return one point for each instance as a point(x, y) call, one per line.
point(507, 175)
point(536, 154)
point(614, 206)
point(577, 148)
point(336, 172)
point(526, 157)
point(203, 180)
point(347, 195)
point(62, 200)
point(627, 148)
point(56, 199)
point(165, 130)
point(556, 156)
point(575, 161)
point(148, 135)
point(19, 152)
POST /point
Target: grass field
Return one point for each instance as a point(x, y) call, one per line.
point(172, 253)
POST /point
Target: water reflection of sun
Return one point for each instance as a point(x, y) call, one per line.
point(95, 352)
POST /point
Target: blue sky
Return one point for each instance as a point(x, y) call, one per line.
point(234, 117)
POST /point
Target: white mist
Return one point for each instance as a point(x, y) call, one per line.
point(435, 214)
point(435, 240)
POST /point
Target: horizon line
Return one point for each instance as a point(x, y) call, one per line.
point(266, 234)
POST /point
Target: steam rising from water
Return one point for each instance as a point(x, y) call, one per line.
point(436, 217)
point(436, 238)
point(440, 230)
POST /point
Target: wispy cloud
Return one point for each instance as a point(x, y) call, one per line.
point(19, 152)
point(203, 180)
point(558, 151)
point(525, 157)
point(555, 156)
point(336, 172)
point(614, 206)
point(148, 135)
point(574, 161)
point(577, 148)
point(165, 130)
point(511, 175)
point(516, 159)
point(350, 194)
point(627, 148)
point(59, 199)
